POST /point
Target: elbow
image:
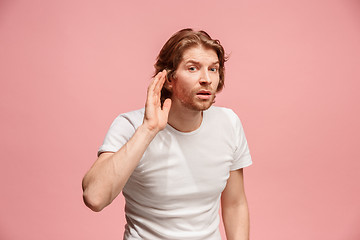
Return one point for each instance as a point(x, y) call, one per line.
point(93, 202)
point(95, 196)
point(90, 198)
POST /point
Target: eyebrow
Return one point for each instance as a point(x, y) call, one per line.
point(197, 62)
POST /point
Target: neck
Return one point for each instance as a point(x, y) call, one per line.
point(185, 120)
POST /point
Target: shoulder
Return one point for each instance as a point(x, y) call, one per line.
point(133, 115)
point(133, 118)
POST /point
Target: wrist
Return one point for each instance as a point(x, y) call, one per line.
point(148, 130)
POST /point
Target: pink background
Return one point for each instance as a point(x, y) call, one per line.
point(68, 68)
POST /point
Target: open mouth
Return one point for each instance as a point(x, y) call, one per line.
point(204, 93)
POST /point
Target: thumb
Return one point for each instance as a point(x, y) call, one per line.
point(167, 106)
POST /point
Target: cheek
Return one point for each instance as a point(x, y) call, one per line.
point(186, 81)
point(216, 81)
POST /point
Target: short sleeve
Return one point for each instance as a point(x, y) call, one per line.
point(119, 133)
point(242, 157)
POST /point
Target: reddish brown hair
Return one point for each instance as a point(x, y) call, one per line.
point(171, 54)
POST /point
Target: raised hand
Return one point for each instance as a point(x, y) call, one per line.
point(156, 118)
point(109, 174)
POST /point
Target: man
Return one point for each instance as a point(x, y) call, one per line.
point(179, 157)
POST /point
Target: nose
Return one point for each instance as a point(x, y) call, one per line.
point(205, 77)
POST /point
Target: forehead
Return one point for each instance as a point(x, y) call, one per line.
point(200, 54)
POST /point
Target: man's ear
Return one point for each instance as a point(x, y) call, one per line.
point(169, 75)
point(168, 83)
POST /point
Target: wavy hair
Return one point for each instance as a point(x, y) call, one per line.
point(171, 54)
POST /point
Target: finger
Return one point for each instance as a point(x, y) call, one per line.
point(153, 93)
point(167, 106)
point(160, 82)
point(153, 84)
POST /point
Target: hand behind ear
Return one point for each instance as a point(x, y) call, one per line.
point(170, 75)
point(168, 80)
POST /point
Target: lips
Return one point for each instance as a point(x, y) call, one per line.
point(204, 94)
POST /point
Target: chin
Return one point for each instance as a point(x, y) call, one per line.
point(197, 104)
point(202, 106)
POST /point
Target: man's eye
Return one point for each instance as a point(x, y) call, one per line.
point(213, 69)
point(192, 68)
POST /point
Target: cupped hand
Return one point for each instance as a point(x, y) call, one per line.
point(156, 117)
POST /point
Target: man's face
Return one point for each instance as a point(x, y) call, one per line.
point(196, 79)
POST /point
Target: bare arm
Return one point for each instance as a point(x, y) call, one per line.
point(110, 172)
point(234, 207)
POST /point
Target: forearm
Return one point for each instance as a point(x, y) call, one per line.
point(236, 221)
point(109, 174)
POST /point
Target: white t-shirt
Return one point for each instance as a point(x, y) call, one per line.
point(174, 192)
